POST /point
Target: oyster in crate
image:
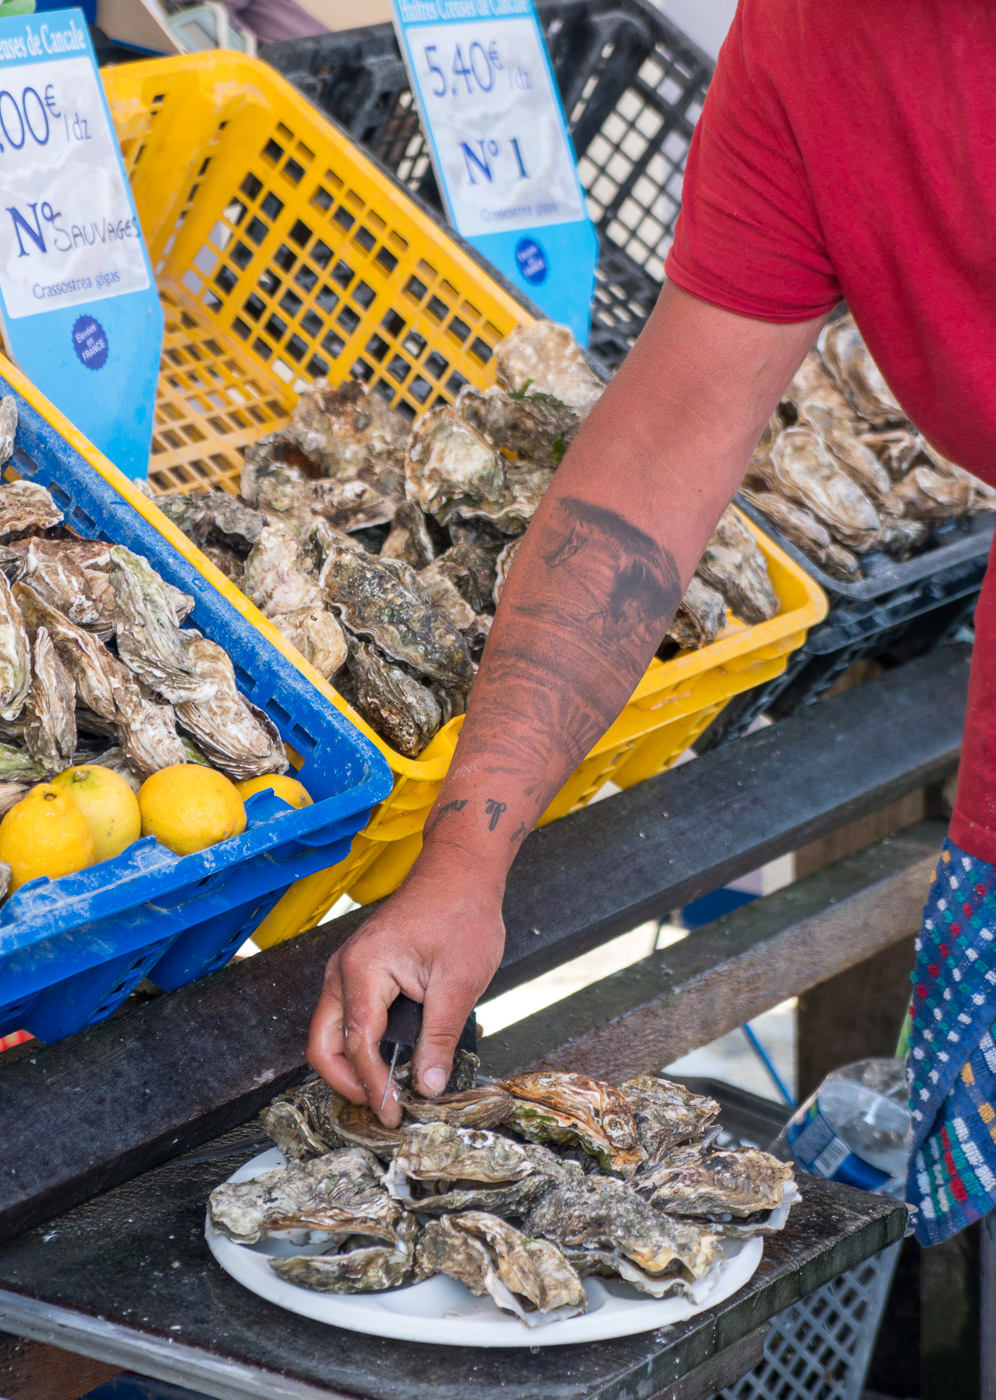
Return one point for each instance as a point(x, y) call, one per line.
point(525, 487)
point(298, 1121)
point(471, 570)
point(15, 654)
point(16, 767)
point(857, 375)
point(384, 600)
point(406, 713)
point(351, 505)
point(702, 1180)
point(409, 539)
point(317, 635)
point(148, 637)
point(54, 573)
point(357, 1266)
point(603, 1214)
point(850, 454)
point(571, 1108)
point(439, 1168)
point(925, 494)
point(443, 595)
point(8, 427)
point(700, 617)
point(236, 736)
point(274, 579)
point(896, 449)
point(26, 506)
point(148, 737)
point(803, 529)
point(50, 731)
point(900, 536)
point(801, 468)
point(530, 1278)
point(10, 794)
point(536, 427)
point(544, 358)
point(667, 1113)
point(349, 433)
point(450, 468)
point(502, 566)
point(734, 565)
point(326, 1198)
point(814, 383)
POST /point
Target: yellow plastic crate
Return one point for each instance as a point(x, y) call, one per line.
point(282, 253)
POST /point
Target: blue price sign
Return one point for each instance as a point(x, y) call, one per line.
point(502, 155)
point(79, 310)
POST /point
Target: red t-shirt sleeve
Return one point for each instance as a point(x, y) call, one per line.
point(748, 238)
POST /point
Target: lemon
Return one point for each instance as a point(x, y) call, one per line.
point(288, 788)
point(45, 834)
point(108, 804)
point(188, 807)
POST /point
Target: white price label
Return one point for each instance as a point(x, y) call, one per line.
point(69, 231)
point(494, 117)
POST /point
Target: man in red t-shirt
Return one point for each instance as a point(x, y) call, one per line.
point(846, 150)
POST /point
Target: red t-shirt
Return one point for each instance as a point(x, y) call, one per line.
point(847, 148)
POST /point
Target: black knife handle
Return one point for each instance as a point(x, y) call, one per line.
point(404, 1021)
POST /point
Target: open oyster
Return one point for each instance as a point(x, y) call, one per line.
point(356, 1266)
point(801, 468)
point(571, 1108)
point(603, 1214)
point(50, 731)
point(439, 1168)
point(667, 1113)
point(25, 505)
point(236, 736)
point(544, 358)
point(733, 564)
point(399, 707)
point(700, 616)
point(487, 1255)
point(857, 375)
point(702, 1180)
point(298, 1121)
point(609, 1263)
point(451, 468)
point(330, 1197)
point(536, 427)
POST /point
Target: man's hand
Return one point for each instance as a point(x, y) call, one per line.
point(417, 944)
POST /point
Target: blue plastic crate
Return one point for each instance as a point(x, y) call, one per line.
point(71, 950)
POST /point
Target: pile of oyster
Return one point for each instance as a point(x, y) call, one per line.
point(94, 664)
point(845, 475)
point(380, 552)
point(519, 1188)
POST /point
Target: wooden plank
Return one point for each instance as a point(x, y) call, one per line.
point(722, 1370)
point(33, 1371)
point(89, 1112)
point(729, 971)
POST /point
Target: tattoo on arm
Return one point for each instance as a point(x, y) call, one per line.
point(494, 810)
point(456, 806)
point(519, 834)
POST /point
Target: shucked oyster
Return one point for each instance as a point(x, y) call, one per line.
point(856, 373)
point(600, 1213)
point(571, 1108)
point(667, 1113)
point(50, 731)
point(483, 1252)
point(733, 564)
point(236, 736)
point(698, 1179)
point(334, 1196)
point(700, 616)
point(358, 1266)
point(399, 707)
point(383, 600)
point(451, 468)
point(298, 1121)
point(443, 1168)
point(544, 358)
point(536, 427)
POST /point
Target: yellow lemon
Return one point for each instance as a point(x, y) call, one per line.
point(45, 834)
point(288, 788)
point(188, 807)
point(108, 804)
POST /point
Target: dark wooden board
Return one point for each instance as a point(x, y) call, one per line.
point(127, 1279)
point(83, 1115)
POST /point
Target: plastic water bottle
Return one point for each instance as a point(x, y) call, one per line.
point(856, 1128)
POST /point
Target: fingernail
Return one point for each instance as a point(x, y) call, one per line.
point(434, 1080)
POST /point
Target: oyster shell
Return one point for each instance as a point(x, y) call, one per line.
point(409, 539)
point(24, 505)
point(351, 505)
point(795, 522)
point(228, 562)
point(502, 566)
point(896, 449)
point(285, 496)
point(15, 654)
point(536, 427)
point(733, 564)
point(450, 468)
point(801, 468)
point(571, 1108)
point(274, 579)
point(841, 563)
point(666, 1113)
point(605, 1214)
point(148, 637)
point(814, 383)
point(15, 766)
point(439, 1168)
point(924, 494)
point(543, 358)
point(484, 1107)
point(349, 433)
point(103, 685)
point(444, 596)
point(525, 487)
point(850, 454)
point(317, 635)
point(333, 1196)
point(298, 1121)
point(702, 1180)
point(609, 1263)
point(900, 536)
point(357, 1267)
point(487, 1255)
point(384, 600)
point(471, 570)
point(358, 1124)
point(8, 427)
point(857, 375)
point(700, 617)
point(148, 737)
point(406, 713)
point(50, 732)
point(10, 794)
point(236, 736)
point(55, 574)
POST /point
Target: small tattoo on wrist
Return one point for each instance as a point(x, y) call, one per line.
point(494, 810)
point(456, 806)
point(519, 834)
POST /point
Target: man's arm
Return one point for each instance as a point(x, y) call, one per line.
point(594, 585)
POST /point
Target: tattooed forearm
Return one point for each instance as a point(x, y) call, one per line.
point(494, 810)
point(519, 834)
point(456, 806)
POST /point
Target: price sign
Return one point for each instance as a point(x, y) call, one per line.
point(79, 311)
point(503, 158)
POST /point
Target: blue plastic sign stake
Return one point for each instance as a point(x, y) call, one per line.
point(503, 158)
point(79, 310)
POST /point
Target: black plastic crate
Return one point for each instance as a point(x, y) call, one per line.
point(632, 86)
point(900, 611)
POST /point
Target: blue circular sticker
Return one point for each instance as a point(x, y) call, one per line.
point(532, 260)
point(90, 342)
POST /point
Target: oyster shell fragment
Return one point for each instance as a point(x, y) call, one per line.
point(571, 1108)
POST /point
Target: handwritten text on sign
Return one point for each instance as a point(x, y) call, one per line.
point(67, 230)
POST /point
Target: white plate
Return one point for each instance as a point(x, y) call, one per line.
point(443, 1311)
